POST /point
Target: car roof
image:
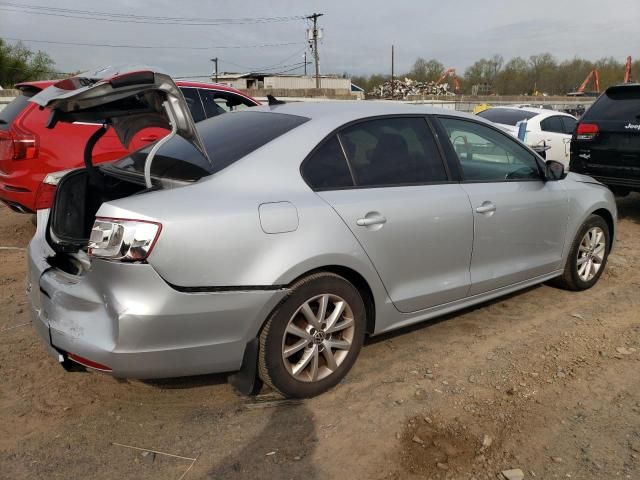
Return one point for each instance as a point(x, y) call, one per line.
point(538, 111)
point(214, 86)
point(349, 110)
point(624, 85)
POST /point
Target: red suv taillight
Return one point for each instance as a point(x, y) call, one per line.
point(587, 131)
point(47, 189)
point(45, 195)
point(25, 144)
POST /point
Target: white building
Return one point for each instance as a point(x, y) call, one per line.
point(259, 81)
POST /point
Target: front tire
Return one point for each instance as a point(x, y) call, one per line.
point(588, 255)
point(313, 338)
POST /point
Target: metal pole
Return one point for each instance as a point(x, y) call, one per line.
point(315, 17)
point(215, 61)
point(393, 78)
point(305, 63)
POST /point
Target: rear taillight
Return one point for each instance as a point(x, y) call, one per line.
point(122, 239)
point(25, 145)
point(587, 131)
point(44, 196)
point(47, 189)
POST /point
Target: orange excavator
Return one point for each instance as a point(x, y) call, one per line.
point(450, 72)
point(593, 74)
point(627, 71)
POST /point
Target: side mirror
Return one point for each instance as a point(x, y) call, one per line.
point(554, 170)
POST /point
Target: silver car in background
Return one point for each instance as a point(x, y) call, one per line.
point(271, 241)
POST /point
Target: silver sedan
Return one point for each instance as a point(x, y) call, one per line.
point(271, 241)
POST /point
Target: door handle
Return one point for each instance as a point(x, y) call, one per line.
point(486, 207)
point(149, 138)
point(368, 221)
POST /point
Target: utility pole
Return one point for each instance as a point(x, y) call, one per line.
point(393, 78)
point(215, 61)
point(314, 39)
point(305, 63)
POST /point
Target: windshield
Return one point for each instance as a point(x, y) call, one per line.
point(11, 111)
point(506, 116)
point(227, 138)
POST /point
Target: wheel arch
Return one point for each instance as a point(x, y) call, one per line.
point(357, 280)
point(607, 216)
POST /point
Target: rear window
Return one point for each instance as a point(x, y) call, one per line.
point(11, 111)
point(227, 138)
point(506, 116)
point(617, 103)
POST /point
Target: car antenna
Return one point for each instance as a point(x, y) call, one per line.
point(274, 101)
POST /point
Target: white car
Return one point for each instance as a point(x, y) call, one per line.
point(543, 127)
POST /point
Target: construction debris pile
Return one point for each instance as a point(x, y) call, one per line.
point(407, 87)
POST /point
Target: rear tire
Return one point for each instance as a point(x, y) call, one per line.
point(587, 257)
point(312, 339)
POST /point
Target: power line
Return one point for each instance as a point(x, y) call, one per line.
point(147, 17)
point(208, 75)
point(267, 67)
point(123, 18)
point(109, 45)
point(289, 70)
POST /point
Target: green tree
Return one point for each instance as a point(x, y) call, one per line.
point(484, 71)
point(19, 64)
point(513, 79)
point(426, 70)
point(543, 68)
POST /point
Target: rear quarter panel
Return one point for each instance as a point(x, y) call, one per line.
point(212, 235)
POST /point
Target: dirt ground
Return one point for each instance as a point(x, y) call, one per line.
point(545, 381)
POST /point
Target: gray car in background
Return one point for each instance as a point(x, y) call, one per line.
point(272, 241)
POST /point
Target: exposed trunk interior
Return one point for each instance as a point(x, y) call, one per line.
point(78, 198)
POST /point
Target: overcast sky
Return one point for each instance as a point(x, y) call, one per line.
point(357, 35)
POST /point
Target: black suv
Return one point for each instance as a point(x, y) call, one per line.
point(606, 141)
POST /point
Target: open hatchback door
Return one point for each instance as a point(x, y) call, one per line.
point(127, 99)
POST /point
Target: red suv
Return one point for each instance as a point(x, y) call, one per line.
point(29, 151)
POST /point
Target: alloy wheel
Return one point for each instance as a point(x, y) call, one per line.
point(591, 253)
point(318, 337)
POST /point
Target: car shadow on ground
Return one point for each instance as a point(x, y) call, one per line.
point(282, 449)
point(629, 207)
point(188, 382)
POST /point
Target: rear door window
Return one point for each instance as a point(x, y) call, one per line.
point(392, 151)
point(9, 113)
point(216, 102)
point(194, 103)
point(552, 124)
point(327, 168)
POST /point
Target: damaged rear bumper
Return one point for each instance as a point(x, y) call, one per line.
point(126, 317)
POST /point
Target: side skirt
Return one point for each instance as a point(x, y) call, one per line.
point(422, 315)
